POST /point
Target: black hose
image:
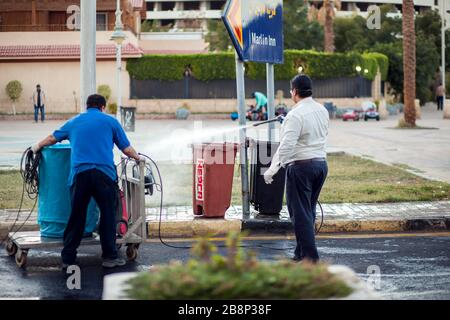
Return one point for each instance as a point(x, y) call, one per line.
point(190, 247)
point(29, 171)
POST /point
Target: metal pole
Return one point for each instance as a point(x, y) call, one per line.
point(270, 97)
point(87, 51)
point(240, 89)
point(443, 26)
point(119, 80)
point(119, 26)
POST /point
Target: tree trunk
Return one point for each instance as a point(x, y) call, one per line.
point(409, 62)
point(328, 27)
point(14, 108)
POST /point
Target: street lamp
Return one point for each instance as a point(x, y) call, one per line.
point(118, 37)
point(300, 70)
point(359, 86)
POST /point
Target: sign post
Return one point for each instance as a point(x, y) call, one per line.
point(240, 90)
point(256, 31)
point(270, 77)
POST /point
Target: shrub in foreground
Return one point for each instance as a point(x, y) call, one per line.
point(238, 275)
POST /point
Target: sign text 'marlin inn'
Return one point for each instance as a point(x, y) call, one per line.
point(263, 40)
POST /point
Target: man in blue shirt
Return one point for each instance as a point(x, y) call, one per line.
point(92, 136)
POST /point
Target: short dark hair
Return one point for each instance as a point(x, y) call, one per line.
point(38, 86)
point(303, 84)
point(95, 101)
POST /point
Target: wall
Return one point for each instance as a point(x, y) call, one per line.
point(226, 89)
point(222, 105)
point(58, 80)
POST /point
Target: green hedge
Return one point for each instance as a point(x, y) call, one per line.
point(382, 62)
point(214, 66)
point(205, 67)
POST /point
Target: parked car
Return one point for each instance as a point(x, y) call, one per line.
point(351, 115)
point(371, 114)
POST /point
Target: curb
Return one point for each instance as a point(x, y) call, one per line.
point(264, 226)
point(194, 228)
point(258, 226)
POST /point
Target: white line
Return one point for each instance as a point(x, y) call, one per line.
point(446, 274)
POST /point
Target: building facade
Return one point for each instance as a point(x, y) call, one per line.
point(192, 15)
point(54, 15)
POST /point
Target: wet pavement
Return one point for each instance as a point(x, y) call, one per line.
point(411, 266)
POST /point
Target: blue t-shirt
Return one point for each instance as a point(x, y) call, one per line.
point(92, 136)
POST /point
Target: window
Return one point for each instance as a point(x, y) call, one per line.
point(191, 5)
point(168, 6)
point(167, 23)
point(217, 5)
point(102, 22)
point(150, 6)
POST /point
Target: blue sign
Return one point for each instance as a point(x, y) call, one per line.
point(256, 29)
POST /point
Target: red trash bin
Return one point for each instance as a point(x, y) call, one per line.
point(213, 165)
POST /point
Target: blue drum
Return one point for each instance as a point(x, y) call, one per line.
point(54, 195)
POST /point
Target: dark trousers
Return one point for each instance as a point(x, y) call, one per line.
point(440, 103)
point(303, 185)
point(36, 113)
point(87, 184)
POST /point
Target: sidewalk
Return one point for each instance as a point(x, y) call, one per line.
point(338, 218)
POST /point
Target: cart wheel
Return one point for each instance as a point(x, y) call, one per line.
point(132, 252)
point(21, 258)
point(11, 248)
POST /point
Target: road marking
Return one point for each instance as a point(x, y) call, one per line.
point(414, 275)
point(320, 236)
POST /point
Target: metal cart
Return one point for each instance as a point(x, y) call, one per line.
point(19, 243)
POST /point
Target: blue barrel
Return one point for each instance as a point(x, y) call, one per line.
point(54, 195)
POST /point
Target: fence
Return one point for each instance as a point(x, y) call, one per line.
point(190, 88)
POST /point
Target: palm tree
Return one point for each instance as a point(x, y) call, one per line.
point(409, 62)
point(325, 16)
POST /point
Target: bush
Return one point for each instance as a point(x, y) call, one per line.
point(215, 66)
point(14, 90)
point(105, 91)
point(111, 108)
point(205, 67)
point(235, 276)
point(382, 62)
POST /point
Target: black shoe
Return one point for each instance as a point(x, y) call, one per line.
point(296, 259)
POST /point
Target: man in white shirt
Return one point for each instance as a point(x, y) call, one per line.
point(302, 151)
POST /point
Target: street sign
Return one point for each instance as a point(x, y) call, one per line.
point(256, 29)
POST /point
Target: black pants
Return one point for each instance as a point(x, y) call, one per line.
point(440, 103)
point(303, 185)
point(87, 184)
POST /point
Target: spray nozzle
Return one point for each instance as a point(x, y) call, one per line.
point(280, 118)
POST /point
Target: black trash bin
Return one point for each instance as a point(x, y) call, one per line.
point(267, 199)
point(128, 117)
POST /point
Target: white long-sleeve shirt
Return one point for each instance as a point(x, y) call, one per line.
point(303, 134)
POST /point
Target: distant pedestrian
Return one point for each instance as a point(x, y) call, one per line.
point(39, 103)
point(440, 94)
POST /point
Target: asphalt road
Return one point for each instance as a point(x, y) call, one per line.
point(412, 267)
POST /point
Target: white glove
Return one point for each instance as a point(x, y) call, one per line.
point(273, 169)
point(142, 159)
point(35, 147)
